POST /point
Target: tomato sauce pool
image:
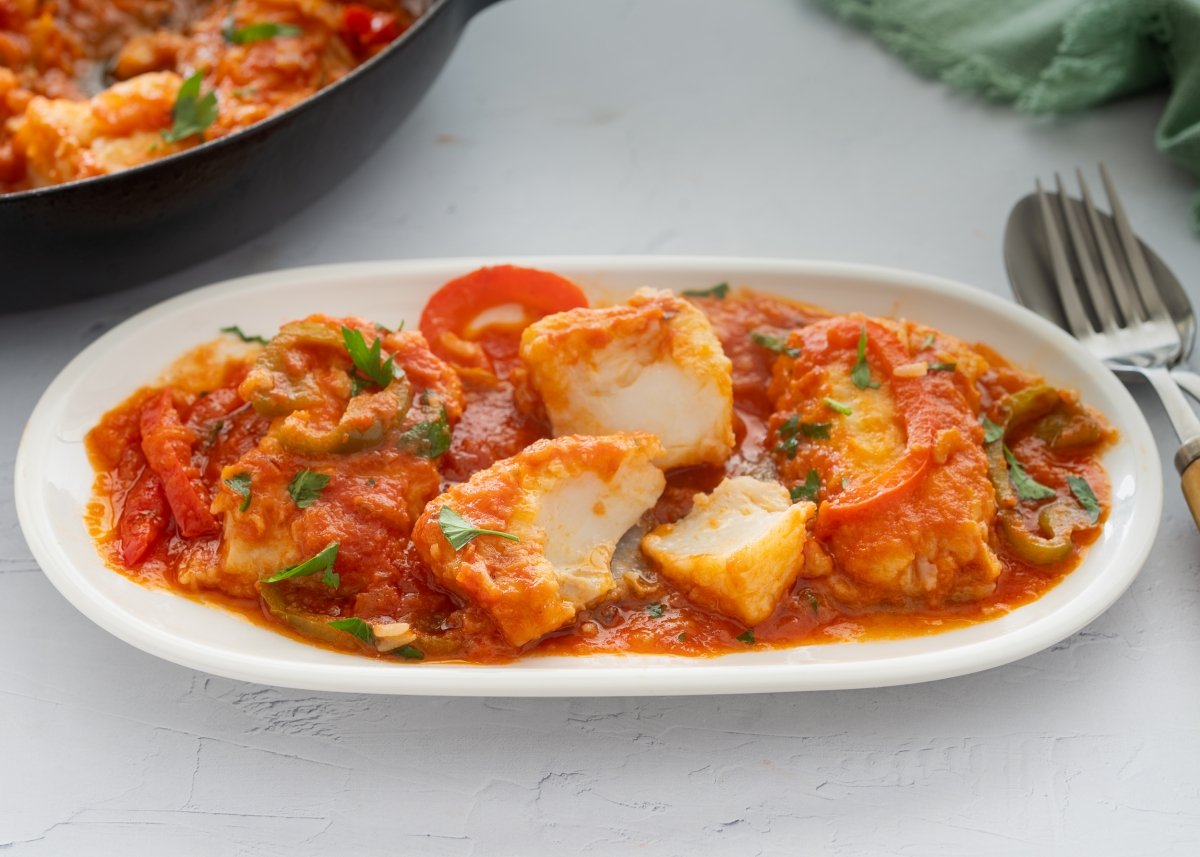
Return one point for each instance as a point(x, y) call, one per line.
point(653, 617)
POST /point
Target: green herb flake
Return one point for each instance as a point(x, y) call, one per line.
point(813, 603)
point(368, 361)
point(816, 431)
point(809, 490)
point(774, 343)
point(1027, 487)
point(746, 637)
point(257, 32)
point(928, 342)
point(942, 367)
point(242, 335)
point(840, 407)
point(410, 653)
point(991, 431)
point(355, 626)
point(306, 486)
point(719, 291)
point(861, 373)
point(191, 115)
point(789, 441)
point(1086, 497)
point(681, 638)
point(458, 530)
point(429, 438)
point(239, 484)
point(656, 610)
point(215, 432)
point(318, 564)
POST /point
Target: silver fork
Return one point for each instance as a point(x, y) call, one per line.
point(1128, 325)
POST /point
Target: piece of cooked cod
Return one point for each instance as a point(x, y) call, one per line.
point(569, 500)
point(738, 551)
point(652, 365)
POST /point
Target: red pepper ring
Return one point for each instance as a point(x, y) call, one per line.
point(447, 320)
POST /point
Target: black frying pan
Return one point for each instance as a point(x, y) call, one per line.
point(98, 235)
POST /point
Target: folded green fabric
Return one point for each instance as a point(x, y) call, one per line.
point(1053, 56)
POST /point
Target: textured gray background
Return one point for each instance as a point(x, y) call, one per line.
point(644, 126)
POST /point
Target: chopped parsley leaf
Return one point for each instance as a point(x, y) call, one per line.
point(429, 438)
point(458, 530)
point(257, 32)
point(411, 653)
point(719, 291)
point(368, 361)
point(746, 637)
point(355, 626)
point(809, 490)
point(1086, 497)
point(816, 431)
point(239, 484)
point(321, 563)
point(655, 610)
point(773, 343)
point(861, 373)
point(942, 367)
point(191, 115)
point(306, 487)
point(1027, 487)
point(242, 335)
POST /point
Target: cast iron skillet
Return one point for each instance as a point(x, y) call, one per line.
point(98, 235)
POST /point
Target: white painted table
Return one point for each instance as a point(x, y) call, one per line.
point(673, 126)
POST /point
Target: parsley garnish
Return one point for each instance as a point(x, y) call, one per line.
point(1087, 499)
point(991, 431)
point(368, 360)
point(1027, 487)
point(746, 637)
point(719, 291)
point(191, 115)
point(458, 530)
point(813, 603)
point(809, 490)
point(681, 637)
point(357, 627)
point(928, 341)
point(411, 653)
point(789, 442)
point(841, 408)
point(942, 367)
point(306, 487)
point(242, 335)
point(816, 431)
point(773, 343)
point(321, 563)
point(257, 32)
point(861, 373)
point(239, 484)
point(357, 384)
point(215, 431)
point(655, 610)
point(429, 438)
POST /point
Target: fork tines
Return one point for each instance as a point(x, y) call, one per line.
point(1119, 294)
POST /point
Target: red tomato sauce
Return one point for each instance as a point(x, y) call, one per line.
point(383, 578)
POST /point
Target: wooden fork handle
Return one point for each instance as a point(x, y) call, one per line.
point(1187, 461)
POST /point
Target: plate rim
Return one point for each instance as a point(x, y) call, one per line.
point(522, 678)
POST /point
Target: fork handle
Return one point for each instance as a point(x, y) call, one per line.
point(1187, 428)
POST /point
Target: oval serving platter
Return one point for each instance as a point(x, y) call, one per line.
point(54, 480)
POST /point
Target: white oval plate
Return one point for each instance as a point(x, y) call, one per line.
point(54, 479)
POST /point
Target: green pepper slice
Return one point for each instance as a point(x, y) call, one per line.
point(314, 626)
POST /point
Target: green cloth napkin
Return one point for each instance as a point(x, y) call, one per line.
point(1053, 56)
